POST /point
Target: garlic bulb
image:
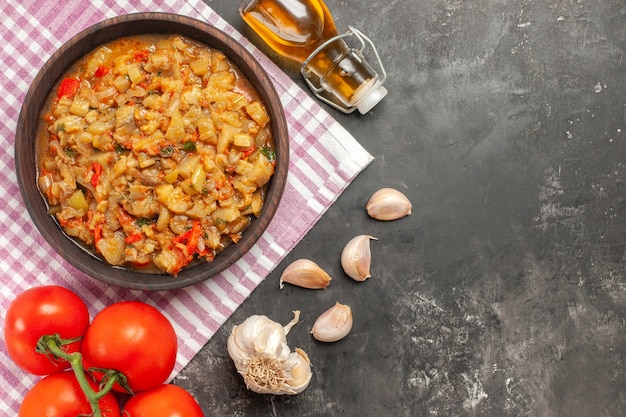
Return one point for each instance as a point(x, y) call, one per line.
point(388, 204)
point(305, 273)
point(258, 347)
point(334, 324)
point(356, 257)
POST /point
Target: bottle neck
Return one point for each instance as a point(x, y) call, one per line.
point(340, 70)
point(340, 76)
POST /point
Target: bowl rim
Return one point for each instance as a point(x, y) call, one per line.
point(49, 75)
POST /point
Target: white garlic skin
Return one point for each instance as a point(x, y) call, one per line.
point(305, 273)
point(388, 204)
point(259, 350)
point(334, 324)
point(356, 257)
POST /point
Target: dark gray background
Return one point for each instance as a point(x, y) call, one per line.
point(504, 293)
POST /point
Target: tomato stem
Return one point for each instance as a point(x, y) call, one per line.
point(53, 344)
point(42, 346)
point(107, 386)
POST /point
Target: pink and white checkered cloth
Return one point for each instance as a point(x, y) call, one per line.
point(325, 158)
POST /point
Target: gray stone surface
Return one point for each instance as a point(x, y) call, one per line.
point(504, 293)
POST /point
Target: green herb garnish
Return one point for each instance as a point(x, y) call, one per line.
point(189, 146)
point(144, 221)
point(269, 153)
point(167, 150)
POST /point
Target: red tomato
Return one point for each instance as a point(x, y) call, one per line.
point(163, 401)
point(41, 311)
point(135, 339)
point(59, 395)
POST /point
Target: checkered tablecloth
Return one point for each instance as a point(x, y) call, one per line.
point(324, 160)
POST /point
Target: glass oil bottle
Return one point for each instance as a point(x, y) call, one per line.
point(304, 31)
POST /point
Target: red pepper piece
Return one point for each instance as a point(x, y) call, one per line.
point(248, 152)
point(130, 239)
point(190, 238)
point(194, 237)
point(97, 173)
point(97, 234)
point(101, 71)
point(68, 87)
point(141, 56)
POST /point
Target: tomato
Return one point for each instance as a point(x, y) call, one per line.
point(135, 339)
point(60, 395)
point(163, 401)
point(39, 311)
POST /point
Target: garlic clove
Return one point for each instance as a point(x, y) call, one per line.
point(305, 273)
point(334, 324)
point(388, 204)
point(259, 350)
point(356, 257)
point(301, 372)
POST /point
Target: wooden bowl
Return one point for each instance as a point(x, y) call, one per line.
point(26, 155)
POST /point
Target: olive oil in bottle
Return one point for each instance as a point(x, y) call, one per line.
point(304, 31)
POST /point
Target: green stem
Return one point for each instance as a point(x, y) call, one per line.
point(53, 344)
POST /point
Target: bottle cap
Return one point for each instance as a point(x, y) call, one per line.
point(370, 95)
